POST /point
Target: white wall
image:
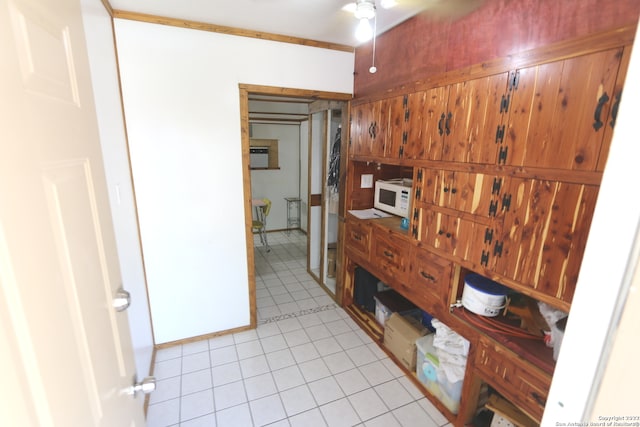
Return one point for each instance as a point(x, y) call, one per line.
point(102, 58)
point(276, 184)
point(181, 100)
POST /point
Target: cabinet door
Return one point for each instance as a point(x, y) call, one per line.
point(472, 193)
point(475, 114)
point(428, 281)
point(525, 385)
point(433, 121)
point(427, 184)
point(458, 237)
point(368, 128)
point(414, 117)
point(397, 107)
point(390, 255)
point(357, 239)
point(559, 112)
point(545, 229)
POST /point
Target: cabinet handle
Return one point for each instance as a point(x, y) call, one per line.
point(440, 129)
point(539, 399)
point(614, 110)
point(448, 122)
point(427, 276)
point(357, 237)
point(373, 129)
point(597, 123)
point(388, 254)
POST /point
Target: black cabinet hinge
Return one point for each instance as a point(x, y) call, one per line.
point(514, 80)
point(500, 134)
point(484, 258)
point(488, 235)
point(502, 155)
point(497, 184)
point(497, 249)
point(506, 202)
point(493, 207)
point(504, 103)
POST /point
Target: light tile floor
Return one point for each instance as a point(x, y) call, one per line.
point(307, 364)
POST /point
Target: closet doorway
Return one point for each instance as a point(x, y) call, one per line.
point(325, 143)
point(315, 148)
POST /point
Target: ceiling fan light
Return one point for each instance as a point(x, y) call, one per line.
point(365, 9)
point(364, 32)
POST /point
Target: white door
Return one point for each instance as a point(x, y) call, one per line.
point(65, 353)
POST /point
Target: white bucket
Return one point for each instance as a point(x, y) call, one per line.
point(483, 296)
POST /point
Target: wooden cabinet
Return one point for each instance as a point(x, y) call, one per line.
point(474, 113)
point(507, 166)
point(390, 255)
point(407, 114)
point(369, 124)
point(472, 193)
point(544, 233)
point(357, 241)
point(428, 281)
point(457, 213)
point(560, 111)
point(516, 379)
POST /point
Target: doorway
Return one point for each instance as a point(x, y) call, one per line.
point(325, 143)
point(306, 165)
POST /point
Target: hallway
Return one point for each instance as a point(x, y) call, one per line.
point(307, 364)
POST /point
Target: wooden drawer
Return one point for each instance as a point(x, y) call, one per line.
point(390, 256)
point(358, 240)
point(523, 384)
point(428, 283)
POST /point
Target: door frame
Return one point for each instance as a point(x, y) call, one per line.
point(245, 90)
point(323, 106)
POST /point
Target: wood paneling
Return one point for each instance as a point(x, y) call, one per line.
point(422, 47)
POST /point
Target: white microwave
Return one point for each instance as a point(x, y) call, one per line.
point(393, 196)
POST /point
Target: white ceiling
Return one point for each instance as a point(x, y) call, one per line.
point(320, 20)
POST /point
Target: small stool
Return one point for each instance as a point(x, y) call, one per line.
point(293, 218)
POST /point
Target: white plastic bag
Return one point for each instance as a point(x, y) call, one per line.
point(552, 316)
point(452, 350)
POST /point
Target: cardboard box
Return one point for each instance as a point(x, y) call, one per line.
point(389, 302)
point(400, 336)
point(331, 259)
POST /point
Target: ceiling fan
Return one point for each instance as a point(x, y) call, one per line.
point(366, 12)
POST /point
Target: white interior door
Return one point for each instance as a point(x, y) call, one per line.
point(65, 353)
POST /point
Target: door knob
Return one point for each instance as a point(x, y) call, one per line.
point(121, 300)
point(146, 386)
